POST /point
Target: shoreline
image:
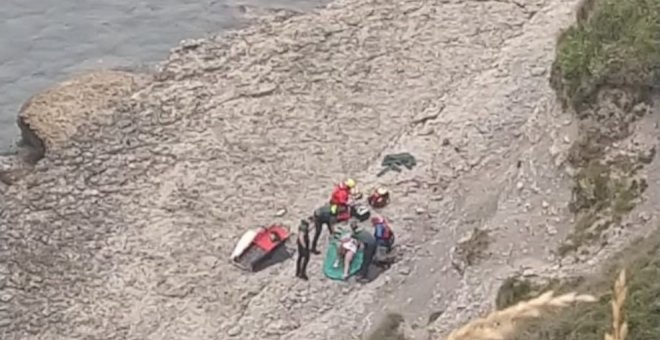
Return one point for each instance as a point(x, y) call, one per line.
point(30, 147)
point(139, 47)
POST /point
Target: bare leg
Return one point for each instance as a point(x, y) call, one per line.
point(336, 264)
point(347, 263)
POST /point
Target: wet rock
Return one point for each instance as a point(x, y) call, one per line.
point(12, 168)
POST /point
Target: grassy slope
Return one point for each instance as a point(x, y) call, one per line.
point(591, 321)
point(615, 44)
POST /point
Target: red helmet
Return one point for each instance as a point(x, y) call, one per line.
point(377, 220)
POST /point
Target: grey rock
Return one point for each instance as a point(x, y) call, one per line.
point(235, 331)
point(6, 297)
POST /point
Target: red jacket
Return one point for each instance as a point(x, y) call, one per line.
point(340, 195)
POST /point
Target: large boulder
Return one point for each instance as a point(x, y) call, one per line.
point(51, 117)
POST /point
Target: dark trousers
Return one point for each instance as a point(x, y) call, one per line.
point(369, 252)
point(318, 229)
point(303, 260)
point(386, 243)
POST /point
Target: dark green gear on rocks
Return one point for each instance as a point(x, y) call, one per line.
point(396, 161)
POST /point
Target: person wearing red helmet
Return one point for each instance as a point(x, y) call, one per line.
point(383, 233)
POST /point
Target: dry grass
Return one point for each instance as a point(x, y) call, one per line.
point(505, 324)
point(619, 324)
point(501, 324)
point(517, 288)
point(638, 288)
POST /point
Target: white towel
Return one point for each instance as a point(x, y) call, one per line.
point(350, 246)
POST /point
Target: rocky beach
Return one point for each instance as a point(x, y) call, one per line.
point(124, 228)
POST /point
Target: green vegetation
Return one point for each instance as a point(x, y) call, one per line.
point(602, 195)
point(516, 289)
point(613, 44)
point(590, 321)
point(604, 66)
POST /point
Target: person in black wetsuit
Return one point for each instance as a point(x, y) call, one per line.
point(303, 250)
point(323, 215)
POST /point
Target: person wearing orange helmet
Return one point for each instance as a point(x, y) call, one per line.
point(341, 196)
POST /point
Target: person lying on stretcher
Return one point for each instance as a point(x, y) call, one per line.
point(346, 250)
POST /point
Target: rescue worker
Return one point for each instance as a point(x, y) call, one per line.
point(383, 233)
point(369, 242)
point(324, 215)
point(341, 195)
point(303, 249)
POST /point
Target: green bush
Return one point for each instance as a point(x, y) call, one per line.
point(614, 44)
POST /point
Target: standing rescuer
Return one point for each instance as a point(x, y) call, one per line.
point(324, 215)
point(303, 249)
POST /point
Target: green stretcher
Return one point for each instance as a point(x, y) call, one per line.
point(338, 273)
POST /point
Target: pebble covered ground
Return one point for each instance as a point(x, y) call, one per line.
point(124, 231)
